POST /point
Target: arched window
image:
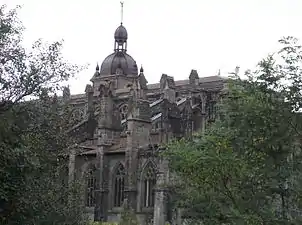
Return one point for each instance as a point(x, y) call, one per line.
point(124, 111)
point(149, 181)
point(91, 187)
point(119, 184)
point(212, 110)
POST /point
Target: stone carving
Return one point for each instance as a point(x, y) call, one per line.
point(105, 89)
point(123, 111)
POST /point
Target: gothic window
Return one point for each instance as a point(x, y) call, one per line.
point(196, 100)
point(216, 110)
point(77, 115)
point(119, 184)
point(124, 111)
point(149, 181)
point(91, 187)
point(156, 125)
point(212, 110)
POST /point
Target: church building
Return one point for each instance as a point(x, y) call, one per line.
point(122, 124)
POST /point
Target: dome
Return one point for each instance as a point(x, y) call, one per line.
point(121, 34)
point(119, 60)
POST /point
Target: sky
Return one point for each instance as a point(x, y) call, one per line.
point(164, 36)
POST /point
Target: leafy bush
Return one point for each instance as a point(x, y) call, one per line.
point(102, 223)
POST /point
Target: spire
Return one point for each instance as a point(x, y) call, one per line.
point(122, 11)
point(142, 79)
point(97, 70)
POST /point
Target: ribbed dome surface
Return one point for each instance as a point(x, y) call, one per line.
point(119, 60)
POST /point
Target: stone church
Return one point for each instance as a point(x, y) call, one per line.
point(122, 123)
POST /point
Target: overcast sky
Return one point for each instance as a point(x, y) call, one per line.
point(165, 36)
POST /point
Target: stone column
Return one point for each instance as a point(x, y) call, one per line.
point(203, 113)
point(203, 123)
point(160, 194)
point(138, 134)
point(178, 216)
point(159, 209)
point(71, 169)
point(105, 124)
point(105, 189)
point(131, 163)
point(71, 166)
point(102, 185)
point(98, 214)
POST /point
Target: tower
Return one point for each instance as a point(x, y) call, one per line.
point(139, 127)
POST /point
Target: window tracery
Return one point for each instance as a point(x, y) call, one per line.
point(77, 114)
point(91, 187)
point(212, 110)
point(156, 125)
point(149, 182)
point(119, 185)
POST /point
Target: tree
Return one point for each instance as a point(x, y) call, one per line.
point(34, 141)
point(246, 168)
point(25, 73)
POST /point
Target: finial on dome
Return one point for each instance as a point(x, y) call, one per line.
point(97, 68)
point(141, 69)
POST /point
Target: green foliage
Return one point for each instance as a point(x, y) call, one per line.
point(246, 168)
point(128, 216)
point(102, 223)
point(34, 145)
point(27, 73)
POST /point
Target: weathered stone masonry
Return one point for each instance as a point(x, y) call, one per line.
point(129, 120)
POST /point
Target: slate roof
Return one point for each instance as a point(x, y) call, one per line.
point(207, 82)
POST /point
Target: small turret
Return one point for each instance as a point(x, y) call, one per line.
point(167, 87)
point(89, 94)
point(194, 78)
point(66, 94)
point(142, 79)
point(97, 71)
